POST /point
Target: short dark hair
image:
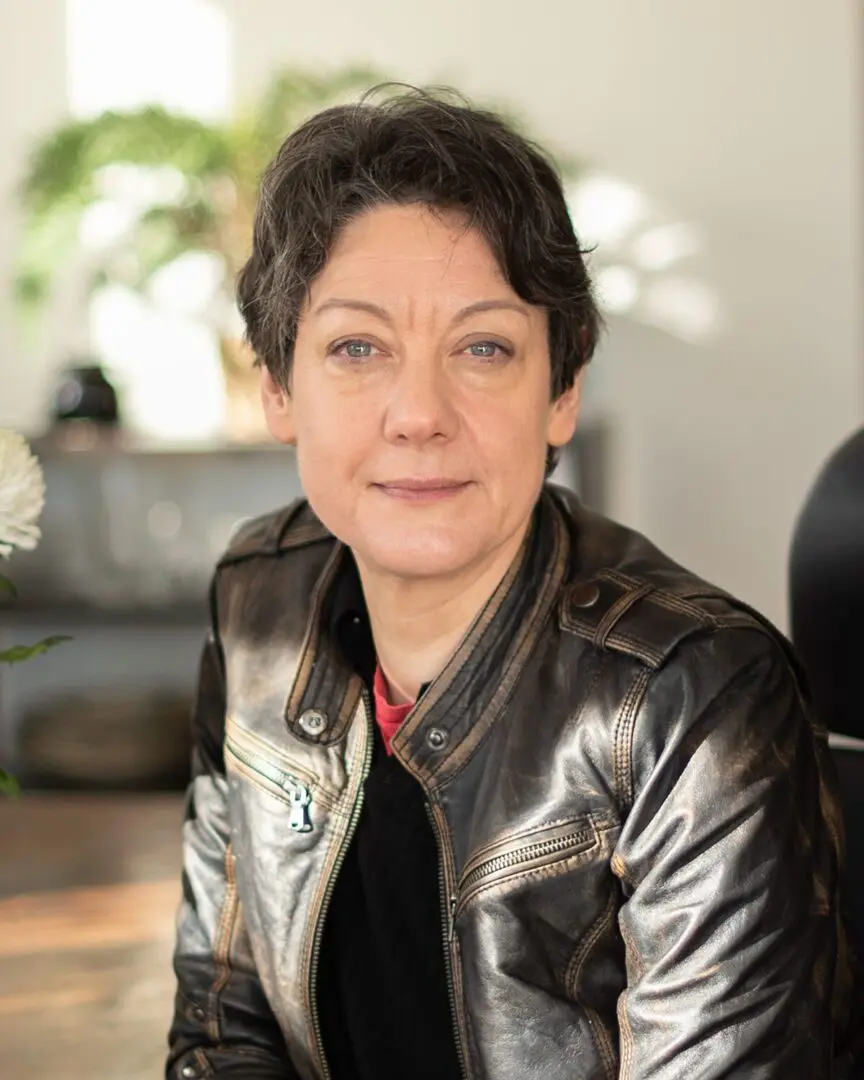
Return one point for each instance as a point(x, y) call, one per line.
point(426, 147)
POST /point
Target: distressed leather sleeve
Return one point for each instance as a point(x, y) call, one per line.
point(223, 1025)
point(728, 861)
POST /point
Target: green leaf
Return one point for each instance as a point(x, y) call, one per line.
point(65, 174)
point(63, 179)
point(18, 653)
point(7, 589)
point(9, 785)
point(64, 165)
point(48, 241)
point(164, 233)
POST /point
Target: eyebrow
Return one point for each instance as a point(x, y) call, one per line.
point(465, 313)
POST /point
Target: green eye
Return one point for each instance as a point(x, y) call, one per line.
point(351, 349)
point(488, 350)
point(357, 350)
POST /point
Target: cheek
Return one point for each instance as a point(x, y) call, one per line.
point(332, 440)
point(322, 420)
point(512, 434)
point(328, 447)
point(327, 465)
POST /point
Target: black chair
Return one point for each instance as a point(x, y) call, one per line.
point(826, 580)
point(849, 762)
point(826, 588)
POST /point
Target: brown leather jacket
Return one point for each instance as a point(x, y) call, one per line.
point(638, 842)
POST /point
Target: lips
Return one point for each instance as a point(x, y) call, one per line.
point(434, 483)
point(422, 488)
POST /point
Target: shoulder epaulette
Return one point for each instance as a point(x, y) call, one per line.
point(649, 621)
point(291, 527)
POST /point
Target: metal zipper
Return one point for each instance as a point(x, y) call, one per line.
point(539, 849)
point(298, 792)
point(331, 883)
point(448, 923)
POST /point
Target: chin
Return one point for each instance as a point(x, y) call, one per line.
point(429, 554)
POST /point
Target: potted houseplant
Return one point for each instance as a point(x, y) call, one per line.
point(178, 185)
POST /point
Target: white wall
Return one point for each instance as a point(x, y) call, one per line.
point(33, 96)
point(742, 117)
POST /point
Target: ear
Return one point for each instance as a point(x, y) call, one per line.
point(278, 409)
point(564, 414)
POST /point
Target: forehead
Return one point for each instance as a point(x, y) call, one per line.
point(411, 249)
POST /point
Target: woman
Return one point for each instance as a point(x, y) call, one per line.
point(484, 784)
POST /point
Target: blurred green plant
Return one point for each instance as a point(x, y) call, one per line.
point(203, 183)
point(124, 195)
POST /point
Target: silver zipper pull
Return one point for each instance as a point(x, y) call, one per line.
point(452, 920)
point(301, 797)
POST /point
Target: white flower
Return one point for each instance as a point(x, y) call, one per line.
point(22, 494)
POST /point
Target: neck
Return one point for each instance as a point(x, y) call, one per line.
point(417, 624)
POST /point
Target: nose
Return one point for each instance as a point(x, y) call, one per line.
point(420, 408)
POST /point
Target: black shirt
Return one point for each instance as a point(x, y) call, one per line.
point(382, 986)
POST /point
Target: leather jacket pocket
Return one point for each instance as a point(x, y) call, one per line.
point(263, 765)
point(529, 851)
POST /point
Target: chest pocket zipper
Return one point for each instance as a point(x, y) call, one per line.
point(297, 792)
point(512, 857)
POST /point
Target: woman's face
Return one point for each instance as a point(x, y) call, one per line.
point(420, 397)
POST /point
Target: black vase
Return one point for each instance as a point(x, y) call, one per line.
point(84, 393)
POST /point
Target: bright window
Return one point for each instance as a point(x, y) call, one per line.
point(123, 54)
point(126, 53)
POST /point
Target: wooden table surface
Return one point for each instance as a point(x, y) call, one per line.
point(89, 886)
